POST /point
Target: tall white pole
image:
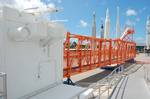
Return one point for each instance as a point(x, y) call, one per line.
point(118, 24)
point(94, 31)
point(94, 25)
point(148, 33)
point(102, 29)
point(107, 25)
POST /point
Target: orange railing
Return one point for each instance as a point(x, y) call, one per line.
point(83, 53)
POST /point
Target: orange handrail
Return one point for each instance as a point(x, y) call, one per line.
point(89, 53)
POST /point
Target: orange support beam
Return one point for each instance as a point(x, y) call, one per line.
point(83, 53)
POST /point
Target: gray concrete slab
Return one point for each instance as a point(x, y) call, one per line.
point(133, 88)
point(92, 79)
point(60, 92)
point(97, 77)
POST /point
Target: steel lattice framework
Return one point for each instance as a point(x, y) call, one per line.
point(89, 53)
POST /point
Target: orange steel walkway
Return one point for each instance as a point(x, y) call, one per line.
point(89, 53)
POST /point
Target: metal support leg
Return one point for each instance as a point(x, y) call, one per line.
point(4, 79)
point(69, 82)
point(99, 92)
point(5, 86)
point(78, 97)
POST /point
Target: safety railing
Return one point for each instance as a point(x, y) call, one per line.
point(3, 85)
point(147, 74)
point(83, 53)
point(104, 88)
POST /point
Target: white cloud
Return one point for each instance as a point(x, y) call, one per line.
point(64, 20)
point(83, 23)
point(7, 1)
point(131, 12)
point(28, 3)
point(24, 4)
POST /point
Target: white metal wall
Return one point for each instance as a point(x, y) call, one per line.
point(28, 65)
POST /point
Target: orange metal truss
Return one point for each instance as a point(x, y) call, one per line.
point(88, 53)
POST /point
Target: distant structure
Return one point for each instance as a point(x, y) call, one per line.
point(102, 29)
point(94, 30)
point(140, 47)
point(148, 33)
point(118, 24)
point(107, 24)
point(94, 25)
point(147, 50)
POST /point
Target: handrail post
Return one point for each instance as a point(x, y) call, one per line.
point(104, 56)
point(110, 51)
point(80, 53)
point(90, 66)
point(4, 78)
point(99, 52)
point(68, 55)
point(118, 52)
point(99, 91)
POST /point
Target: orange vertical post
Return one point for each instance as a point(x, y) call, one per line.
point(80, 55)
point(104, 52)
point(110, 51)
point(90, 66)
point(99, 53)
point(68, 55)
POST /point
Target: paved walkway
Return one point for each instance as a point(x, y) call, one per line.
point(142, 57)
point(59, 92)
point(132, 87)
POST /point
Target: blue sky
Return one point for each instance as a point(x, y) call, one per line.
point(79, 15)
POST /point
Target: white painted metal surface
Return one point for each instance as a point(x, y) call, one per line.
point(61, 92)
point(148, 33)
point(118, 24)
point(102, 29)
point(31, 52)
point(3, 86)
point(107, 25)
point(94, 30)
point(94, 25)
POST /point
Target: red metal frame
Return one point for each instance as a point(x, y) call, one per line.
point(91, 53)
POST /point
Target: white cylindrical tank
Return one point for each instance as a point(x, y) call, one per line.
point(148, 33)
point(94, 25)
point(107, 25)
point(118, 24)
point(94, 31)
point(102, 30)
